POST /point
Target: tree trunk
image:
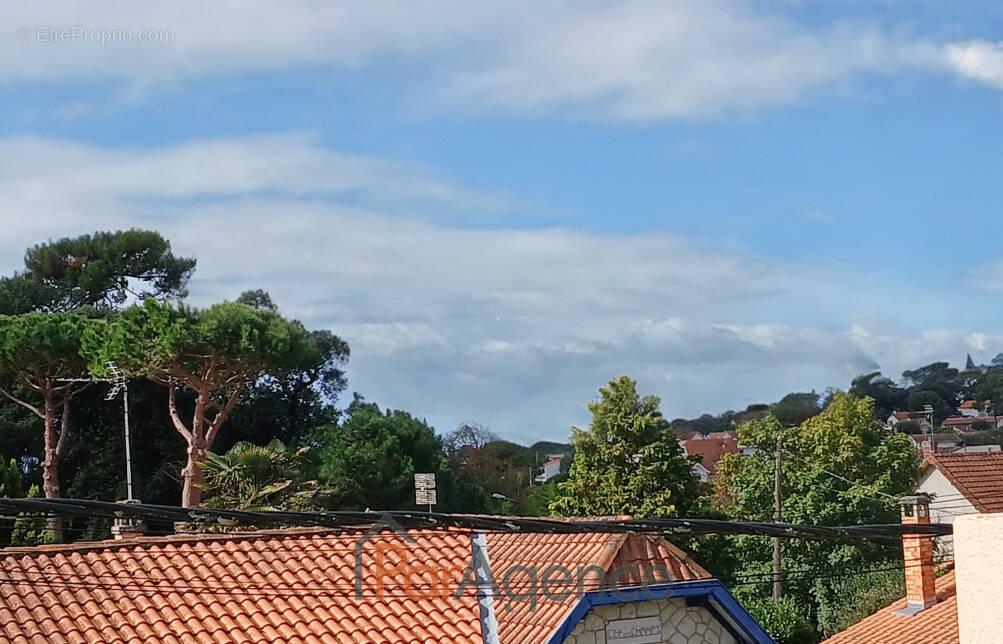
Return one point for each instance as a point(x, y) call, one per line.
point(192, 474)
point(50, 466)
point(199, 438)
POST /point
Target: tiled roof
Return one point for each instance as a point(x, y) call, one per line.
point(711, 451)
point(936, 438)
point(291, 586)
point(978, 476)
point(935, 625)
point(968, 404)
point(964, 423)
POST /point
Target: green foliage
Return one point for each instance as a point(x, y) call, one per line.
point(783, 619)
point(844, 601)
point(96, 270)
point(918, 399)
point(986, 437)
point(30, 530)
point(844, 440)
point(539, 498)
point(498, 466)
point(371, 458)
point(992, 387)
point(11, 480)
point(162, 340)
point(39, 346)
point(795, 408)
point(887, 396)
point(257, 478)
point(627, 461)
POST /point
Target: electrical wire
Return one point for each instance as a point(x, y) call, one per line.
point(434, 520)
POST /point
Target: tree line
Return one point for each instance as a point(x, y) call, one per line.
point(232, 404)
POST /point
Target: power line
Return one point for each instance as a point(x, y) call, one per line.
point(435, 520)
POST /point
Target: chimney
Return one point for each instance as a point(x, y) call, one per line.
point(920, 577)
point(127, 527)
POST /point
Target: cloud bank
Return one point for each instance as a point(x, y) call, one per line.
point(511, 327)
point(634, 60)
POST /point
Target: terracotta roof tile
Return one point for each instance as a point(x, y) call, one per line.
point(296, 586)
point(935, 625)
point(978, 476)
point(711, 450)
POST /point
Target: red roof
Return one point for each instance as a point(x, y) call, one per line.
point(964, 423)
point(552, 461)
point(935, 625)
point(968, 404)
point(936, 438)
point(977, 476)
point(711, 451)
point(293, 586)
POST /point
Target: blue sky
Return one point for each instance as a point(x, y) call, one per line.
point(501, 208)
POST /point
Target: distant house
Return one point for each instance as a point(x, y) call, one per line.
point(945, 442)
point(961, 483)
point(551, 468)
point(710, 451)
point(898, 417)
point(969, 409)
point(965, 424)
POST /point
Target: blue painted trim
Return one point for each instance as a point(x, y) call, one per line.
point(712, 589)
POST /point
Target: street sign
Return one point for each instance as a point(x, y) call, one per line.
point(424, 481)
point(424, 489)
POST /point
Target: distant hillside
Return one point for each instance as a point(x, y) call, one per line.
point(550, 447)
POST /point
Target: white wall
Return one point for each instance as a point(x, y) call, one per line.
point(978, 550)
point(948, 503)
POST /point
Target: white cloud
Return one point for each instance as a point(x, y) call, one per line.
point(515, 328)
point(979, 60)
point(638, 59)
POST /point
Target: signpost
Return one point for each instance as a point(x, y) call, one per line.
point(424, 489)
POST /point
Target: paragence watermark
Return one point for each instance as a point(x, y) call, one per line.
point(397, 569)
point(93, 36)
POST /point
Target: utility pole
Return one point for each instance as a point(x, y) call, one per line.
point(778, 517)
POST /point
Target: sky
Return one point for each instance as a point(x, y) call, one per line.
point(501, 206)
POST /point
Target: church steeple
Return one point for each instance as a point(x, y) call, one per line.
point(969, 363)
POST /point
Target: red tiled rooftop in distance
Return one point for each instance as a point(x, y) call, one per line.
point(935, 625)
point(711, 450)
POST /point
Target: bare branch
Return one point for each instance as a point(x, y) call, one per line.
point(33, 409)
point(172, 407)
point(221, 417)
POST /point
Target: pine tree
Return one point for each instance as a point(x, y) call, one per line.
point(627, 461)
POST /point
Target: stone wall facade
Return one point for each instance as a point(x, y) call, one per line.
point(681, 624)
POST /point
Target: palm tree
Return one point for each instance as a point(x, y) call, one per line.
point(256, 478)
